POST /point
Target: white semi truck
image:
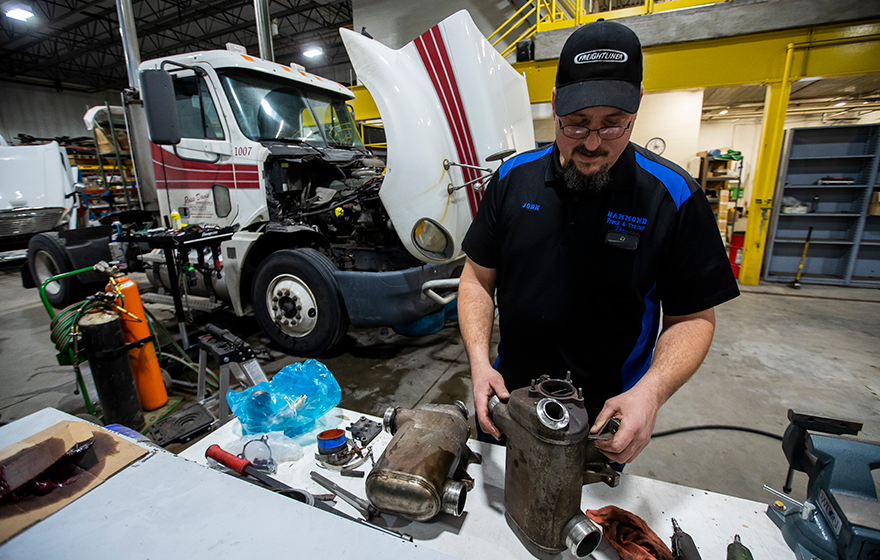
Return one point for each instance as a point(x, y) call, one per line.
point(326, 234)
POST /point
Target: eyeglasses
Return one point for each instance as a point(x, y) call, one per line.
point(578, 132)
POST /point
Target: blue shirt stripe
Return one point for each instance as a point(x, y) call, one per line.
point(674, 183)
point(521, 159)
point(639, 359)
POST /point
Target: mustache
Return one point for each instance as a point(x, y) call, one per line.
point(598, 152)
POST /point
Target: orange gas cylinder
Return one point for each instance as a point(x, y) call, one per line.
point(144, 364)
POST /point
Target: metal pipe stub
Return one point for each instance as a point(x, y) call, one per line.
point(582, 536)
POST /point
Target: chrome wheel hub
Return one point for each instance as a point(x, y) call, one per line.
point(291, 305)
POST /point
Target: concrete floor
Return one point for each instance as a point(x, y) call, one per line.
point(816, 349)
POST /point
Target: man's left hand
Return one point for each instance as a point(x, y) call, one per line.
point(637, 411)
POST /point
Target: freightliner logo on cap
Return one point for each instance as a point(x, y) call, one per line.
point(601, 55)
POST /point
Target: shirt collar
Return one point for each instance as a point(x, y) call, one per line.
point(622, 172)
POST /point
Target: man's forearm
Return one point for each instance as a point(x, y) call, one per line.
point(476, 310)
point(681, 348)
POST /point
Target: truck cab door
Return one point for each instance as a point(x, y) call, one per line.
point(197, 174)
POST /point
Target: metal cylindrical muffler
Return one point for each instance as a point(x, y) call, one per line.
point(423, 470)
point(548, 461)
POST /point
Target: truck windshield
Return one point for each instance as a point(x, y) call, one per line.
point(270, 108)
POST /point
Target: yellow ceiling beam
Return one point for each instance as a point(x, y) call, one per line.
point(732, 61)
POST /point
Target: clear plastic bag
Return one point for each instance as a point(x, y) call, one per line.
point(298, 395)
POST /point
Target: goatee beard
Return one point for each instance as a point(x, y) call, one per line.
point(577, 181)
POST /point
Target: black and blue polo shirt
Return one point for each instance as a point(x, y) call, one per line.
point(581, 277)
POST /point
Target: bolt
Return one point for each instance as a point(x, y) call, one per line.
point(299, 307)
point(568, 375)
point(779, 505)
point(287, 293)
point(533, 385)
point(274, 308)
point(580, 393)
point(275, 298)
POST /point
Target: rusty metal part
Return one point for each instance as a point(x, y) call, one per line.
point(423, 470)
point(550, 456)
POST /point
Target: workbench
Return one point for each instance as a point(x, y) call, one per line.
point(484, 531)
point(166, 506)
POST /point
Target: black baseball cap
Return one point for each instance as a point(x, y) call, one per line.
point(600, 65)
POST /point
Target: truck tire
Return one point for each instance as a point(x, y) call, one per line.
point(297, 302)
point(47, 257)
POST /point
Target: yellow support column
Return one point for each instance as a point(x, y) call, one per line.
point(761, 199)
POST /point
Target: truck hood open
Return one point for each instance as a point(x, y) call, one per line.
point(448, 96)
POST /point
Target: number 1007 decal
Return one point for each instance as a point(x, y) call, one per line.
point(242, 151)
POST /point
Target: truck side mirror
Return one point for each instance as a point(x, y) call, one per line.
point(160, 106)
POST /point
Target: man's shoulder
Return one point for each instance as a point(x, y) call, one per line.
point(524, 158)
point(677, 181)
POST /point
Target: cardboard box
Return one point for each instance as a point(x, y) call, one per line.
point(105, 144)
point(874, 209)
point(875, 197)
point(22, 461)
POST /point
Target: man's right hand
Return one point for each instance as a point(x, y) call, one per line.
point(487, 382)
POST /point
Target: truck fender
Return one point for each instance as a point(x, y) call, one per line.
point(247, 249)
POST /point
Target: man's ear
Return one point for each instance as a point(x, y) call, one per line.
point(553, 101)
point(641, 92)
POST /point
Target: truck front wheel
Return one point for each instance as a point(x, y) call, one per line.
point(297, 302)
point(46, 258)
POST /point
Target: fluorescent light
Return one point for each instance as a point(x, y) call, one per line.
point(841, 104)
point(312, 53)
point(724, 112)
point(810, 79)
point(20, 14)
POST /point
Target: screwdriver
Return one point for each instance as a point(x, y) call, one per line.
point(737, 551)
point(683, 547)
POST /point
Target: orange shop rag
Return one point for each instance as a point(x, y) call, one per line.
point(629, 535)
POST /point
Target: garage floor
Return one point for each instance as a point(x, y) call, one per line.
point(816, 349)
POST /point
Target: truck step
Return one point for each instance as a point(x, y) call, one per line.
point(195, 302)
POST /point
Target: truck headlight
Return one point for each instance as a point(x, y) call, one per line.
point(431, 239)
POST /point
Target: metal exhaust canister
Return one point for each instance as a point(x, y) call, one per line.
point(423, 470)
point(549, 459)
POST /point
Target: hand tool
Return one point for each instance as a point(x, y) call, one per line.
point(683, 547)
point(737, 551)
point(797, 279)
point(840, 518)
point(245, 467)
point(363, 506)
point(360, 504)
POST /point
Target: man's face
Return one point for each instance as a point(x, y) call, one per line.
point(590, 154)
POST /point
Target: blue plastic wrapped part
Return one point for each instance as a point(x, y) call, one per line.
point(298, 395)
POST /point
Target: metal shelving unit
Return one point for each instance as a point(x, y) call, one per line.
point(833, 170)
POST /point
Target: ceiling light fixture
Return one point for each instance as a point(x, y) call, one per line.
point(723, 112)
point(841, 104)
point(20, 14)
point(313, 52)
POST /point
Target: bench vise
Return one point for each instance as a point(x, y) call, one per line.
point(841, 516)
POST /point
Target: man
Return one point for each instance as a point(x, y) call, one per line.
point(583, 241)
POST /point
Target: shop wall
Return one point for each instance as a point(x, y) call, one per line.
point(673, 116)
point(46, 113)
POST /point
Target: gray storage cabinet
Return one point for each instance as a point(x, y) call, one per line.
point(839, 166)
